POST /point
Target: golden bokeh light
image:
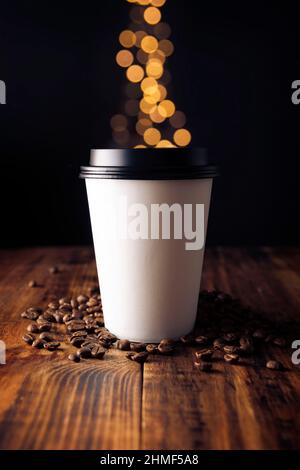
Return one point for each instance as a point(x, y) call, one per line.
point(152, 136)
point(135, 73)
point(154, 68)
point(156, 117)
point(149, 44)
point(124, 58)
point(127, 38)
point(167, 108)
point(162, 31)
point(119, 122)
point(182, 137)
point(132, 107)
point(149, 118)
point(166, 46)
point(139, 36)
point(165, 144)
point(146, 107)
point(152, 15)
point(158, 3)
point(178, 120)
point(142, 125)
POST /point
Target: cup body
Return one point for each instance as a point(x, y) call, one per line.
point(149, 287)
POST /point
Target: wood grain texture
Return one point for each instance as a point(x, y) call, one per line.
point(49, 403)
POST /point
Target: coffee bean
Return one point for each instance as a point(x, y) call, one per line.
point(202, 340)
point(137, 347)
point(203, 366)
point(49, 316)
point(47, 337)
point(74, 358)
point(59, 317)
point(53, 270)
point(32, 328)
point(76, 325)
point(90, 343)
point(230, 337)
point(74, 303)
point(107, 337)
point(32, 313)
point(246, 345)
point(280, 342)
point(82, 308)
point(80, 334)
point(168, 342)
point(152, 348)
point(94, 290)
point(231, 349)
point(52, 346)
point(64, 300)
point(29, 339)
point(38, 343)
point(139, 357)
point(84, 353)
point(53, 305)
point(67, 317)
point(82, 299)
point(204, 355)
point(123, 345)
point(45, 326)
point(187, 339)
point(32, 283)
point(166, 349)
point(78, 341)
point(231, 358)
point(98, 352)
point(275, 365)
point(218, 343)
point(92, 302)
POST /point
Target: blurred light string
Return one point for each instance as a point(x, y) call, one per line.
point(149, 118)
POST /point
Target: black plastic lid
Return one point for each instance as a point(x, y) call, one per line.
point(149, 164)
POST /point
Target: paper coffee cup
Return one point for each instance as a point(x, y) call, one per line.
point(149, 211)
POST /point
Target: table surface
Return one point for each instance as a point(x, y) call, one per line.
point(47, 402)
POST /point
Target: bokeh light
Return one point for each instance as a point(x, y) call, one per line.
point(182, 137)
point(124, 58)
point(149, 117)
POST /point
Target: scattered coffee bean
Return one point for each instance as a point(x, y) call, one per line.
point(137, 347)
point(123, 345)
point(29, 339)
point(74, 358)
point(76, 325)
point(53, 305)
point(47, 337)
point(275, 365)
point(74, 303)
point(139, 357)
point(52, 346)
point(231, 358)
point(152, 348)
point(84, 353)
point(231, 349)
point(67, 317)
point(202, 340)
point(49, 316)
point(32, 328)
point(31, 313)
point(98, 352)
point(187, 339)
point(230, 337)
point(168, 342)
point(166, 349)
point(203, 366)
point(45, 326)
point(204, 355)
point(246, 345)
point(32, 283)
point(38, 343)
point(218, 343)
point(82, 299)
point(92, 302)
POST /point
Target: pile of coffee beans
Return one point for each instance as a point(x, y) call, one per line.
point(225, 330)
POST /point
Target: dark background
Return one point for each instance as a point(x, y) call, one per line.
point(232, 73)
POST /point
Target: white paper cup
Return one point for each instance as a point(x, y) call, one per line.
point(149, 285)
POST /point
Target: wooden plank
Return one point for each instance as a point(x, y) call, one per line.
point(234, 407)
point(47, 402)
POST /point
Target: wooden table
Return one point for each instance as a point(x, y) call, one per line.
point(49, 403)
